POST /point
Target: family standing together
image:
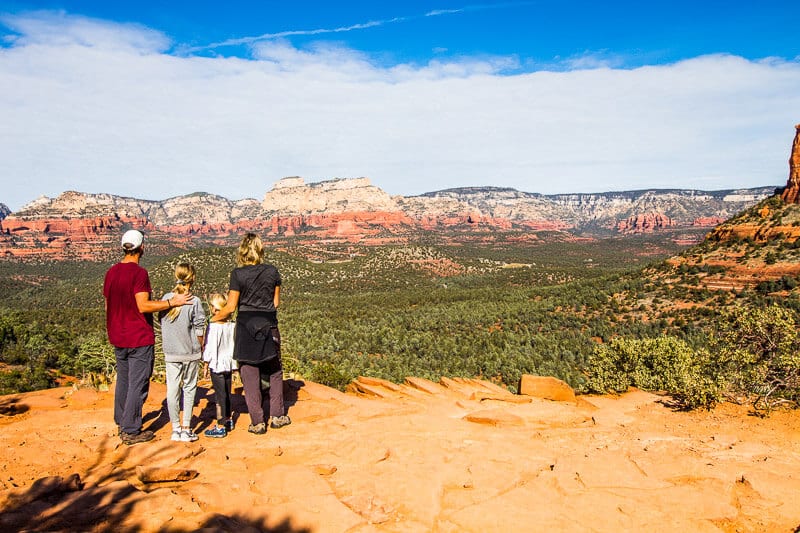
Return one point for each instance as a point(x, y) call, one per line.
point(251, 344)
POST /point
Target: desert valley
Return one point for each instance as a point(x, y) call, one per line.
point(474, 359)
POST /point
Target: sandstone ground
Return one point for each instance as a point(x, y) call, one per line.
point(462, 455)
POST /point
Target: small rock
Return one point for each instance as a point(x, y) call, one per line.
point(325, 470)
point(162, 475)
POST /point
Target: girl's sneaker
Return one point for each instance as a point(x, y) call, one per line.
point(176, 435)
point(187, 435)
point(216, 432)
point(229, 425)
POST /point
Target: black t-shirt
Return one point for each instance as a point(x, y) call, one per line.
point(256, 285)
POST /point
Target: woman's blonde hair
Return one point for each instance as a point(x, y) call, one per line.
point(184, 275)
point(251, 251)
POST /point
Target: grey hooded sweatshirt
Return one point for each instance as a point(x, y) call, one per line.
point(179, 337)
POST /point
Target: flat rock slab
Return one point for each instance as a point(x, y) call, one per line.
point(495, 417)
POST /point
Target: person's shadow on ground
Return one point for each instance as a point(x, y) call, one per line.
point(208, 415)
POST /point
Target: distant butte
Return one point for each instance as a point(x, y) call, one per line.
point(791, 195)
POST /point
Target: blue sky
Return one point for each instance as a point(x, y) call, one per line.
point(154, 100)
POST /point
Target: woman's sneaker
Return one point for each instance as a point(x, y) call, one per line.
point(216, 432)
point(187, 435)
point(258, 429)
point(280, 421)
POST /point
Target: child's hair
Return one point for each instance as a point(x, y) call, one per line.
point(184, 274)
point(217, 301)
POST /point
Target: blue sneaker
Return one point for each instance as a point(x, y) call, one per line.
point(216, 432)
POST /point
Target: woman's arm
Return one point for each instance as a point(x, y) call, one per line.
point(224, 314)
point(277, 298)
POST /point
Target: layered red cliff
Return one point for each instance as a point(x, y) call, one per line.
point(645, 223)
point(86, 226)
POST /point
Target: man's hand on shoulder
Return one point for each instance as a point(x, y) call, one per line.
point(181, 299)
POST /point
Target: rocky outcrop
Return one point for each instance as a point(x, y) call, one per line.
point(791, 194)
point(76, 238)
point(293, 195)
point(707, 222)
point(546, 387)
point(646, 223)
point(600, 212)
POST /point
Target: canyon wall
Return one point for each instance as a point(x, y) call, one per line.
point(80, 225)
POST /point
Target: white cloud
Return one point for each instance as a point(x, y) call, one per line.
point(50, 28)
point(100, 107)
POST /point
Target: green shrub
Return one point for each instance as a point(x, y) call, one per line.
point(658, 364)
point(326, 373)
point(759, 353)
point(94, 356)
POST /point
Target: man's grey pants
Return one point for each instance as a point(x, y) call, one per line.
point(134, 368)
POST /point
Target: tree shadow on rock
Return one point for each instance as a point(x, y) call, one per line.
point(57, 503)
point(241, 524)
point(12, 407)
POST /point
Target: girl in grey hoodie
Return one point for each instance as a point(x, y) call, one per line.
point(182, 330)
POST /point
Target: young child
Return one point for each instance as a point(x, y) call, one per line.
point(218, 353)
point(182, 331)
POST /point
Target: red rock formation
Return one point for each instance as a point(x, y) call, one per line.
point(707, 222)
point(791, 195)
point(645, 223)
point(80, 225)
point(63, 238)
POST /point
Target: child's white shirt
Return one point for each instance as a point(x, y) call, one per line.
point(218, 351)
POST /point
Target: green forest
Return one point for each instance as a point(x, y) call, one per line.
point(603, 315)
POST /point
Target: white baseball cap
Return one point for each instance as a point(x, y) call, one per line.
point(132, 239)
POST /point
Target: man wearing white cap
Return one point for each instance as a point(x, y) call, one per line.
point(129, 322)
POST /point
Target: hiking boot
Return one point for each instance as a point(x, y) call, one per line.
point(216, 432)
point(187, 435)
point(280, 421)
point(136, 438)
point(258, 429)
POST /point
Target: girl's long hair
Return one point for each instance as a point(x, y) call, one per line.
point(184, 274)
point(251, 251)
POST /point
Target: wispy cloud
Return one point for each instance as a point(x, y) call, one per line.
point(438, 12)
point(476, 7)
point(293, 33)
point(59, 29)
point(353, 27)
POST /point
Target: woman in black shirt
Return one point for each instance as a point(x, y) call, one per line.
point(254, 291)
